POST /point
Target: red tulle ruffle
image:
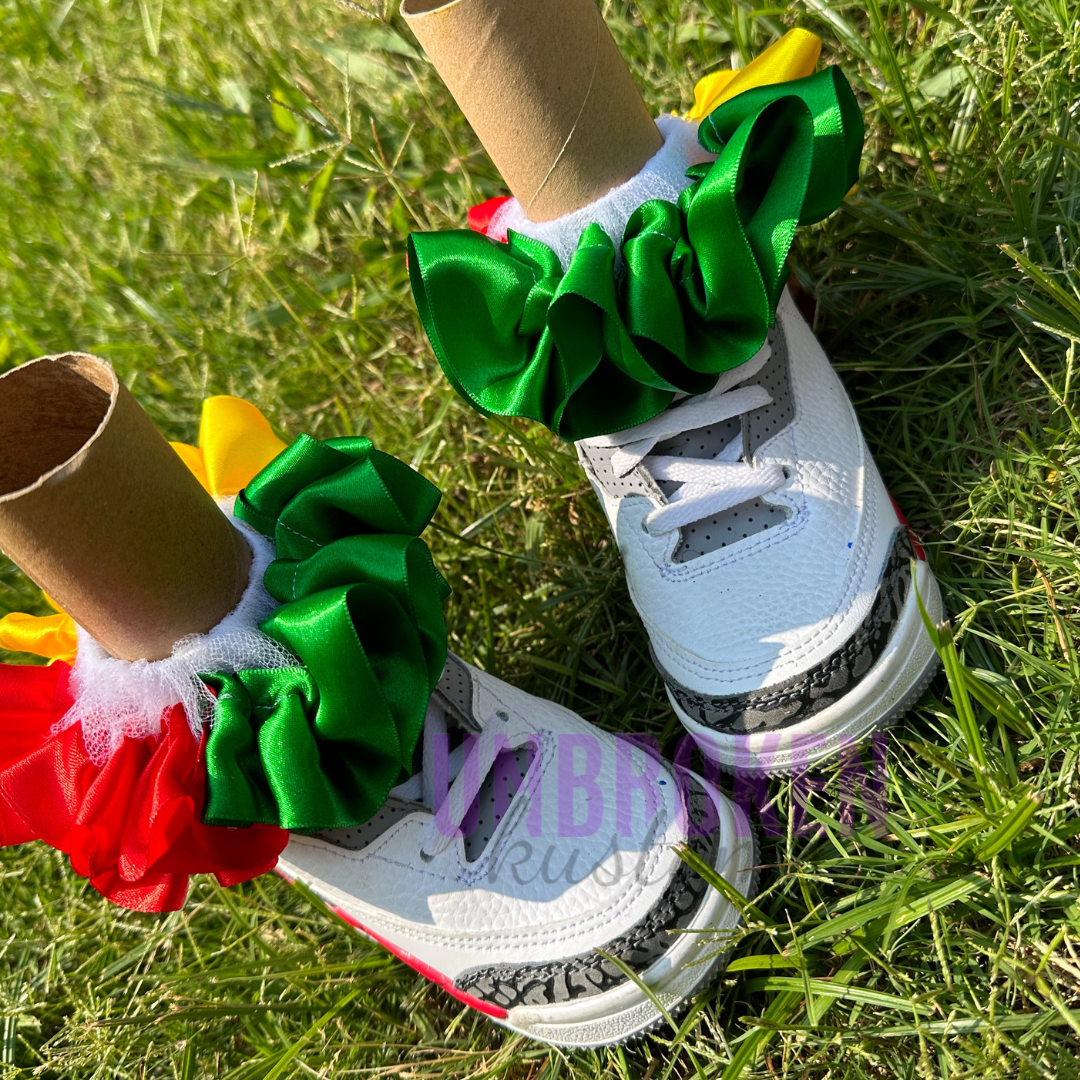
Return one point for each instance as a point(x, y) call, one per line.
point(132, 826)
point(480, 217)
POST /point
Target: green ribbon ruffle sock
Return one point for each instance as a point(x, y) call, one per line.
point(320, 746)
point(586, 353)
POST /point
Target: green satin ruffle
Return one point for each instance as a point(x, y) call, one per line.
point(319, 746)
point(587, 352)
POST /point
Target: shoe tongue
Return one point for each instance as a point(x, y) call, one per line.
point(706, 442)
point(451, 712)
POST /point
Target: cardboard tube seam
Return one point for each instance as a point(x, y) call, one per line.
point(545, 88)
point(577, 119)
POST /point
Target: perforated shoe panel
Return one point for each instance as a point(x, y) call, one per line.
point(727, 527)
point(454, 692)
point(755, 428)
point(704, 442)
point(762, 424)
point(358, 838)
point(635, 482)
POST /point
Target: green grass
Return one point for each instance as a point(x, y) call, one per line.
point(216, 196)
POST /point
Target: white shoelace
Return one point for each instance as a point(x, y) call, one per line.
point(707, 485)
point(467, 766)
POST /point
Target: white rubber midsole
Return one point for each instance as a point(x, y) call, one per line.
point(885, 689)
point(626, 1011)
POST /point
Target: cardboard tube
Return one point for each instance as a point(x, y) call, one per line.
point(547, 92)
point(99, 511)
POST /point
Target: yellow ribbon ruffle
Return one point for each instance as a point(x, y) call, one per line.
point(794, 56)
point(235, 443)
point(46, 635)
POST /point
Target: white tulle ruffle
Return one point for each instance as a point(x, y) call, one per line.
point(118, 698)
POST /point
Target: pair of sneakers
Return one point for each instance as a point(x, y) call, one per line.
point(568, 883)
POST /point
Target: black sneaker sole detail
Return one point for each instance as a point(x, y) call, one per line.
point(891, 719)
point(889, 689)
point(714, 970)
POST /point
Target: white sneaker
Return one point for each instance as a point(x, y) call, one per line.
point(504, 889)
point(767, 560)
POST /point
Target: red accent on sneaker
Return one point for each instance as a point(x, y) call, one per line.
point(437, 977)
point(480, 216)
point(919, 553)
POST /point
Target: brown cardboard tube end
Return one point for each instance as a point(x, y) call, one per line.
point(102, 514)
point(48, 412)
point(547, 92)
